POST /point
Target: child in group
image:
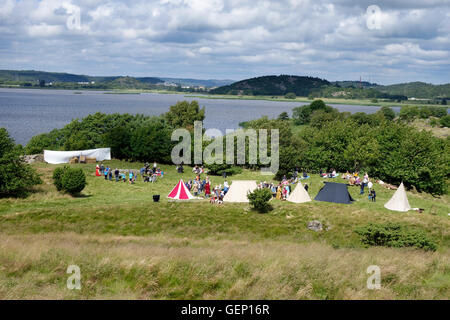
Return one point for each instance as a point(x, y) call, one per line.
point(372, 195)
point(131, 176)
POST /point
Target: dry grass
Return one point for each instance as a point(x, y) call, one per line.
point(160, 267)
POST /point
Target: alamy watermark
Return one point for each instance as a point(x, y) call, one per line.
point(374, 281)
point(73, 21)
point(213, 153)
point(373, 18)
point(74, 281)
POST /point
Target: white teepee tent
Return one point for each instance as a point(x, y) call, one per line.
point(399, 201)
point(238, 191)
point(299, 195)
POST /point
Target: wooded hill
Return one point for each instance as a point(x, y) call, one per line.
point(316, 87)
point(274, 85)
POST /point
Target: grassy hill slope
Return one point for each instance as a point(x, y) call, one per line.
point(127, 246)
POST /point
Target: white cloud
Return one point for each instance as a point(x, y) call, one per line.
point(230, 38)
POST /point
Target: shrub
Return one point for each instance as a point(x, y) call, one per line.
point(290, 95)
point(409, 113)
point(73, 181)
point(259, 199)
point(445, 121)
point(219, 169)
point(58, 174)
point(16, 177)
point(387, 112)
point(394, 235)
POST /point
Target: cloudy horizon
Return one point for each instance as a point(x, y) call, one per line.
point(380, 41)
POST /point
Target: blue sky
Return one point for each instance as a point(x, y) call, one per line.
point(396, 41)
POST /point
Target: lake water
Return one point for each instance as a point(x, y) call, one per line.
point(28, 112)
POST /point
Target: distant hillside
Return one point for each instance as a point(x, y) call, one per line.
point(419, 90)
point(274, 85)
point(34, 76)
point(31, 75)
point(201, 83)
point(127, 83)
point(149, 80)
point(355, 84)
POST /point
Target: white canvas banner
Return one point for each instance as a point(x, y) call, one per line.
point(55, 157)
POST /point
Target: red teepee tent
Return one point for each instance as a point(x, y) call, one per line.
point(180, 192)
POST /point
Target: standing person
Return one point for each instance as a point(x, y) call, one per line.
point(110, 174)
point(116, 174)
point(362, 188)
point(102, 168)
point(154, 167)
point(279, 192)
point(225, 187)
point(106, 173)
point(374, 195)
point(195, 189)
point(207, 189)
point(130, 175)
point(97, 171)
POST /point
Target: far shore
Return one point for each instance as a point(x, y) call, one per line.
point(356, 102)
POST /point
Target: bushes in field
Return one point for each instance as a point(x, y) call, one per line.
point(70, 180)
point(445, 121)
point(259, 199)
point(220, 169)
point(409, 113)
point(394, 235)
point(16, 177)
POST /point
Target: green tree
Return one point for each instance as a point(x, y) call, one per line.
point(151, 143)
point(118, 139)
point(283, 116)
point(16, 177)
point(184, 113)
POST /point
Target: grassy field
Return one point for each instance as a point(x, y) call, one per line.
point(358, 102)
point(129, 247)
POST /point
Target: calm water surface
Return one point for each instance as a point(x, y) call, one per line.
point(27, 112)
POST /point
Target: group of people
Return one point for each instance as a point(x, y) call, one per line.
point(282, 190)
point(355, 180)
point(147, 173)
point(199, 186)
point(108, 173)
point(328, 174)
point(150, 174)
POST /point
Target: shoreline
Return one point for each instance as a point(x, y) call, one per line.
point(331, 101)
